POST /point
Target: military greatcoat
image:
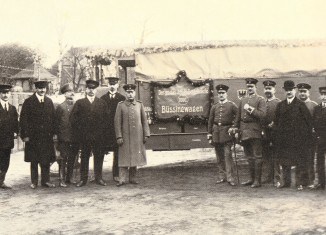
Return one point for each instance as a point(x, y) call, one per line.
point(131, 125)
point(37, 121)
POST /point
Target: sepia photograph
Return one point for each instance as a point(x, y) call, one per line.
point(162, 117)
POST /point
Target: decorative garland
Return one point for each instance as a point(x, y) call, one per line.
point(192, 120)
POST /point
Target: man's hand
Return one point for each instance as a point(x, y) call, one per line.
point(209, 136)
point(248, 108)
point(120, 141)
point(26, 139)
point(145, 139)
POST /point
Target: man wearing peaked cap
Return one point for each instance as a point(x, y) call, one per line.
point(304, 95)
point(112, 98)
point(271, 166)
point(67, 146)
point(132, 132)
point(319, 121)
point(251, 112)
point(37, 121)
point(88, 120)
point(293, 130)
point(9, 127)
point(221, 118)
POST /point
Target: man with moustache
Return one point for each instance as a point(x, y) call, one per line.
point(251, 113)
point(304, 95)
point(271, 165)
point(293, 127)
point(319, 123)
point(37, 124)
point(221, 119)
point(132, 132)
point(112, 98)
point(8, 127)
point(88, 120)
point(67, 146)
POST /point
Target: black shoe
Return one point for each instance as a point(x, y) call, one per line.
point(62, 184)
point(133, 182)
point(282, 185)
point(300, 187)
point(70, 182)
point(120, 184)
point(101, 182)
point(220, 181)
point(247, 183)
point(4, 186)
point(81, 183)
point(255, 185)
point(48, 185)
point(116, 179)
point(232, 183)
point(33, 186)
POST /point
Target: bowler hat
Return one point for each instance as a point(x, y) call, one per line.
point(92, 84)
point(66, 87)
point(251, 81)
point(222, 87)
point(269, 83)
point(128, 87)
point(40, 84)
point(289, 85)
point(5, 87)
point(112, 80)
point(303, 86)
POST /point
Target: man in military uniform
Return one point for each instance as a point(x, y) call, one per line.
point(67, 146)
point(251, 112)
point(132, 131)
point(272, 167)
point(37, 124)
point(8, 127)
point(112, 98)
point(221, 118)
point(88, 120)
point(304, 95)
point(293, 130)
point(319, 123)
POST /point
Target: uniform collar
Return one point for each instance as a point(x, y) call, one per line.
point(273, 98)
point(307, 100)
point(223, 102)
point(253, 95)
point(131, 102)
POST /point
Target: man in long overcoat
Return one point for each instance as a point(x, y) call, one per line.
point(293, 131)
point(88, 121)
point(221, 119)
point(132, 131)
point(251, 112)
point(37, 123)
point(112, 98)
point(8, 128)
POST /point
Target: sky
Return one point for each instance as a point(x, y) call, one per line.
point(41, 24)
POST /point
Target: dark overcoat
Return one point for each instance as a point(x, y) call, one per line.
point(112, 103)
point(319, 124)
point(88, 121)
point(131, 125)
point(37, 121)
point(8, 126)
point(293, 132)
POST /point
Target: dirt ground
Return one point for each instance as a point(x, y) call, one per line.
point(177, 194)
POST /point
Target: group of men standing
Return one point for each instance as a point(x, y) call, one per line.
point(91, 125)
point(274, 133)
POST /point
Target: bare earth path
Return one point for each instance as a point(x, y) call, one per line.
point(177, 194)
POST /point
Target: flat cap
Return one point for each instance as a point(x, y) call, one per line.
point(41, 84)
point(289, 84)
point(251, 81)
point(129, 87)
point(303, 86)
point(222, 87)
point(322, 89)
point(66, 87)
point(269, 83)
point(5, 87)
point(92, 84)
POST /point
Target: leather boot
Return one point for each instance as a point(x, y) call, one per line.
point(251, 173)
point(62, 172)
point(258, 171)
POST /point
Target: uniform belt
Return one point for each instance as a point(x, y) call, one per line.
point(222, 124)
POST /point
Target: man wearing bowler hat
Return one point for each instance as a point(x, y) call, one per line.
point(112, 98)
point(88, 120)
point(221, 119)
point(67, 145)
point(37, 123)
point(319, 124)
point(251, 112)
point(132, 131)
point(272, 168)
point(8, 129)
point(304, 95)
point(293, 127)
